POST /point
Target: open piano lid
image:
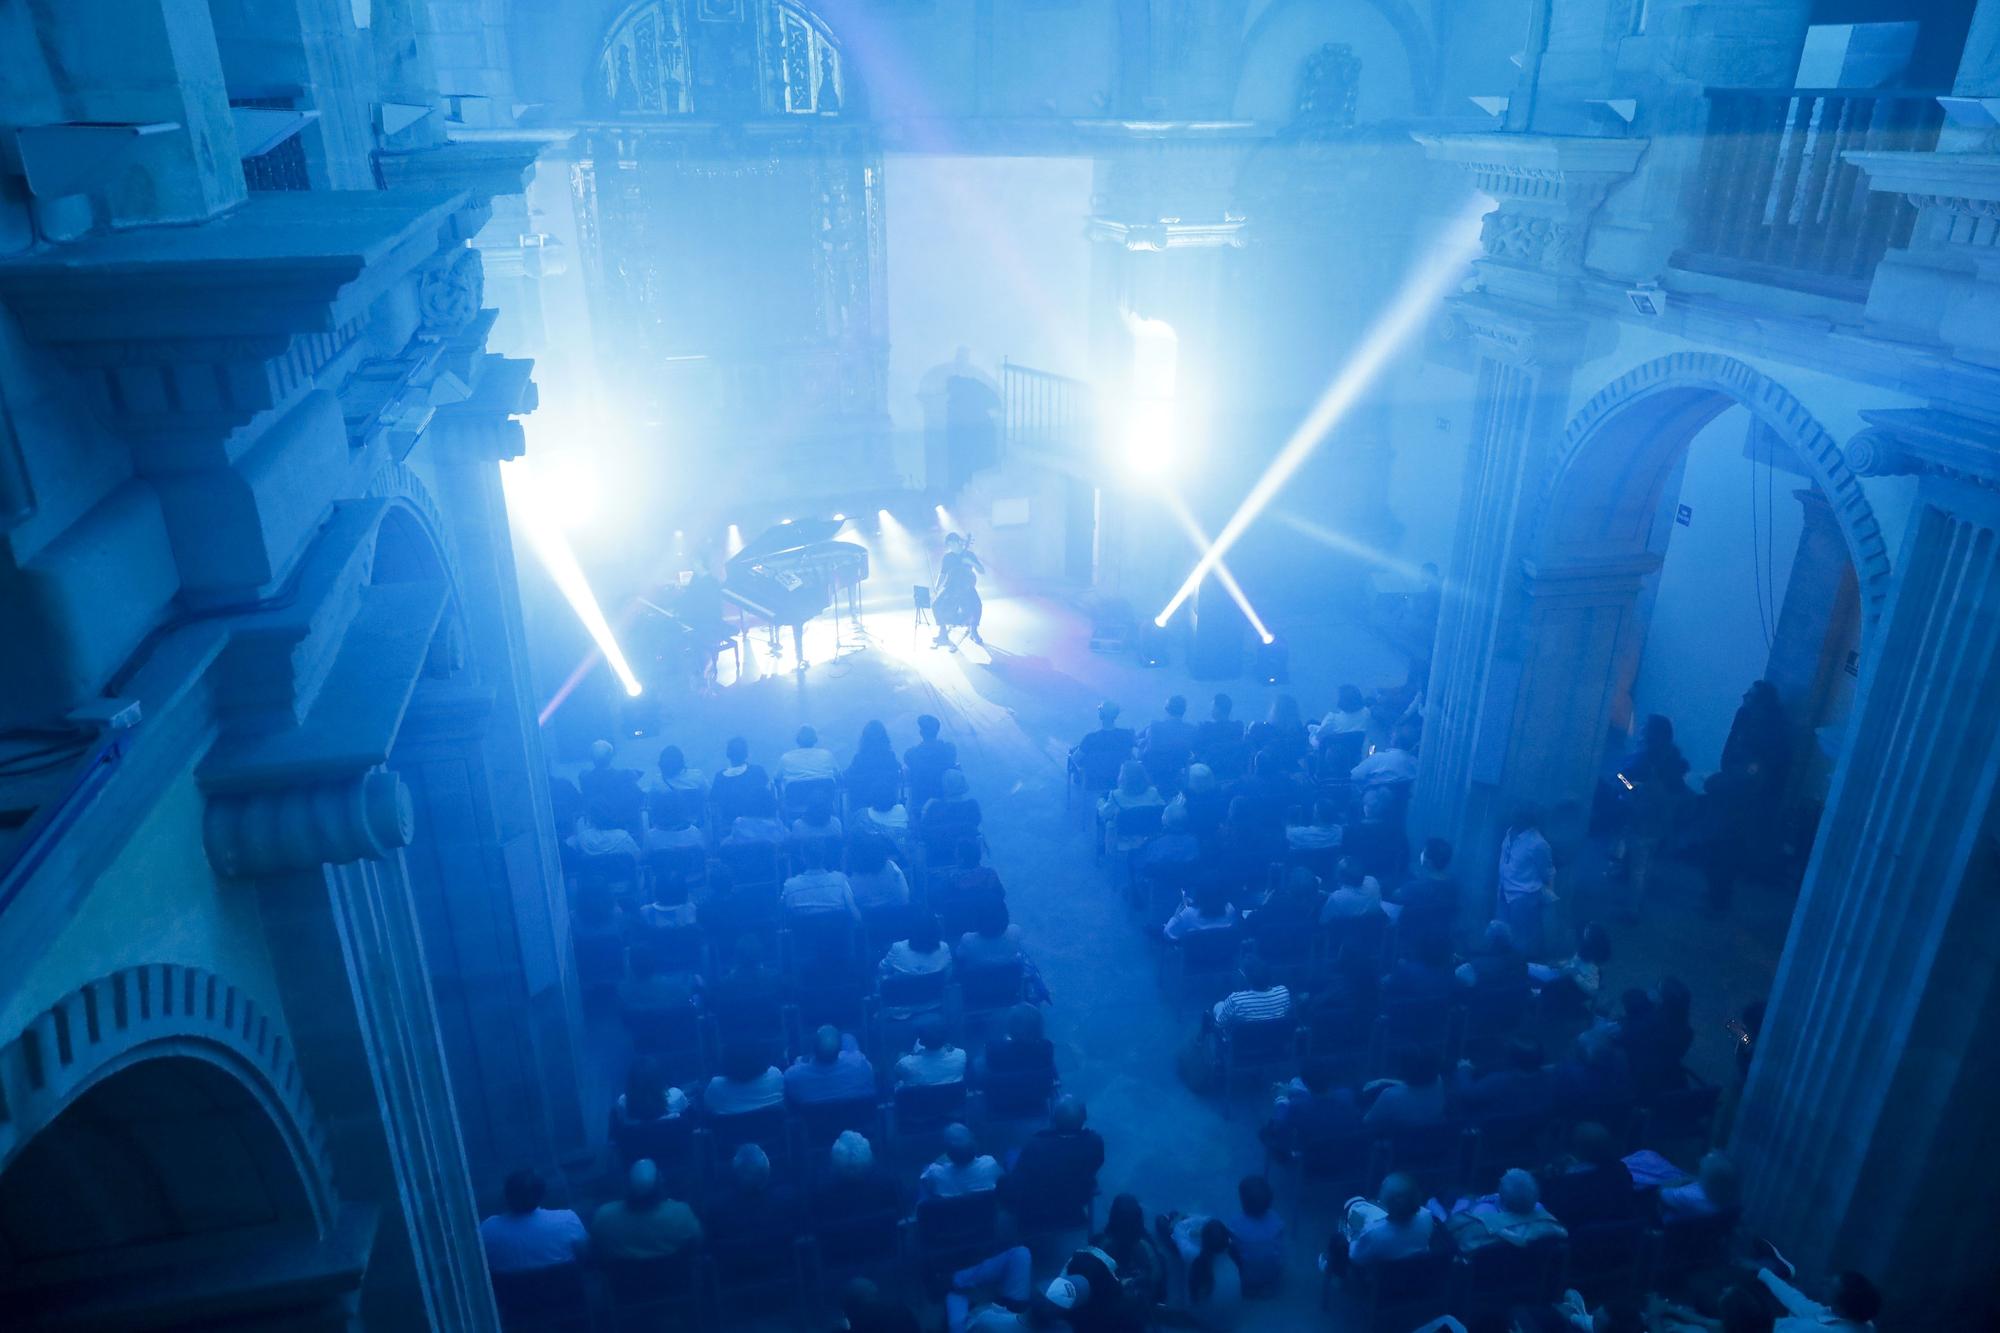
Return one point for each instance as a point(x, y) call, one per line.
point(785, 537)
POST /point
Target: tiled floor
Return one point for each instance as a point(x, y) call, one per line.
point(1013, 711)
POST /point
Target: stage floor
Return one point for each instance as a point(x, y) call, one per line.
point(1013, 709)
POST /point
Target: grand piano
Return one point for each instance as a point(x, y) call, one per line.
point(791, 572)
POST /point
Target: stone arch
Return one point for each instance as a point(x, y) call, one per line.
point(648, 58)
point(1622, 443)
point(1401, 16)
point(158, 1012)
point(413, 544)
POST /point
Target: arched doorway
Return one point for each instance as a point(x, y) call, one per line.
point(1593, 561)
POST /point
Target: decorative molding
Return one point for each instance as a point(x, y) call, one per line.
point(1789, 423)
point(1926, 441)
point(1956, 195)
point(451, 292)
point(271, 832)
point(1512, 337)
point(148, 1012)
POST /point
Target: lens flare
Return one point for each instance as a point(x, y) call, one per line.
point(545, 538)
point(1405, 315)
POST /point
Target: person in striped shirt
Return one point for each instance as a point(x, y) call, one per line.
point(1260, 1000)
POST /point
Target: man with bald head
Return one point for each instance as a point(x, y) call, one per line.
point(1057, 1167)
point(645, 1224)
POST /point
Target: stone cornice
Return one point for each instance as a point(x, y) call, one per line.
point(1959, 178)
point(1548, 169)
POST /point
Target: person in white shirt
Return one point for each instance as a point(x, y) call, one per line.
point(962, 1170)
point(1395, 1225)
point(1527, 876)
point(817, 889)
point(935, 1061)
point(1852, 1305)
point(1349, 714)
point(527, 1237)
point(597, 834)
point(808, 762)
point(1514, 1214)
point(1354, 895)
point(1397, 763)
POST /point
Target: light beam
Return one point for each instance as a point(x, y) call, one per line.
point(1404, 316)
point(551, 547)
point(1191, 526)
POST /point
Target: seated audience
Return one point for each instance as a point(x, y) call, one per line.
point(1513, 1215)
point(1221, 735)
point(613, 791)
point(598, 833)
point(1394, 1225)
point(815, 889)
point(1261, 999)
point(927, 762)
point(751, 990)
point(645, 1224)
point(934, 1061)
point(1259, 1235)
point(1103, 750)
point(1172, 736)
point(855, 1185)
point(671, 826)
point(1282, 929)
point(1022, 1050)
point(1521, 1086)
point(1209, 910)
point(817, 824)
point(756, 821)
point(1496, 962)
point(1419, 978)
point(1281, 735)
point(1212, 1285)
point(952, 814)
point(1395, 765)
point(876, 881)
point(875, 773)
point(1139, 1261)
point(962, 1169)
point(969, 887)
point(1349, 715)
point(525, 1236)
point(1595, 1186)
point(1414, 1099)
point(672, 908)
point(751, 1206)
point(1576, 982)
point(994, 942)
point(1713, 1190)
point(677, 796)
point(922, 953)
point(864, 1309)
point(886, 815)
point(1200, 807)
point(1311, 1109)
point(747, 1083)
point(1322, 832)
point(1526, 877)
point(1852, 1305)
point(1355, 894)
point(1135, 791)
point(1429, 901)
point(737, 783)
point(1015, 1305)
point(1656, 1037)
point(1596, 1075)
point(647, 1098)
point(834, 1070)
point(1057, 1166)
point(806, 761)
point(649, 993)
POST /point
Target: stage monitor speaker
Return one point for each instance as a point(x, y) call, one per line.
point(1215, 651)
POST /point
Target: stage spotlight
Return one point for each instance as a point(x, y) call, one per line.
point(525, 497)
point(1274, 661)
point(1405, 314)
point(840, 518)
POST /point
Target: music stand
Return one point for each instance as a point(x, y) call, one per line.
point(920, 599)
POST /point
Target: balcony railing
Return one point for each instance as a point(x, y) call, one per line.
point(1044, 415)
point(1779, 203)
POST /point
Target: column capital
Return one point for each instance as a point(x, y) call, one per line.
point(1927, 441)
point(1546, 188)
point(1507, 332)
point(1615, 578)
point(280, 829)
point(483, 427)
point(1943, 284)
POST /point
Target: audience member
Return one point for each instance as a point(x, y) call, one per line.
point(526, 1237)
point(952, 814)
point(1321, 833)
point(1210, 909)
point(1656, 1036)
point(924, 952)
point(647, 1098)
point(1496, 962)
point(1282, 735)
point(1282, 929)
point(1349, 715)
point(613, 792)
point(927, 762)
point(1355, 894)
point(1429, 901)
point(1852, 1304)
point(875, 880)
point(1103, 750)
point(737, 783)
point(1414, 1099)
point(1200, 807)
point(751, 1207)
point(994, 941)
point(1221, 735)
point(887, 816)
point(1022, 1050)
point(934, 1060)
point(1172, 736)
point(1261, 999)
point(1713, 1190)
point(1258, 1234)
point(864, 1309)
point(806, 761)
point(750, 991)
point(1311, 1109)
point(1135, 791)
point(818, 825)
point(855, 1185)
point(1520, 1087)
point(671, 826)
point(756, 820)
point(1576, 982)
point(963, 1169)
point(1394, 765)
point(1212, 1288)
point(875, 774)
point(748, 1082)
point(1057, 1167)
point(651, 994)
point(645, 1224)
point(1420, 977)
point(815, 889)
point(599, 834)
point(1527, 876)
point(1135, 1254)
point(1657, 793)
point(1394, 1225)
point(834, 1071)
point(676, 799)
point(1595, 1186)
point(1513, 1215)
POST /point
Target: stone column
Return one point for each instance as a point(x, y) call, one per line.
point(508, 923)
point(326, 863)
point(1859, 1133)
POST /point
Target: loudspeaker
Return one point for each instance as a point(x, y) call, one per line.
point(1215, 651)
